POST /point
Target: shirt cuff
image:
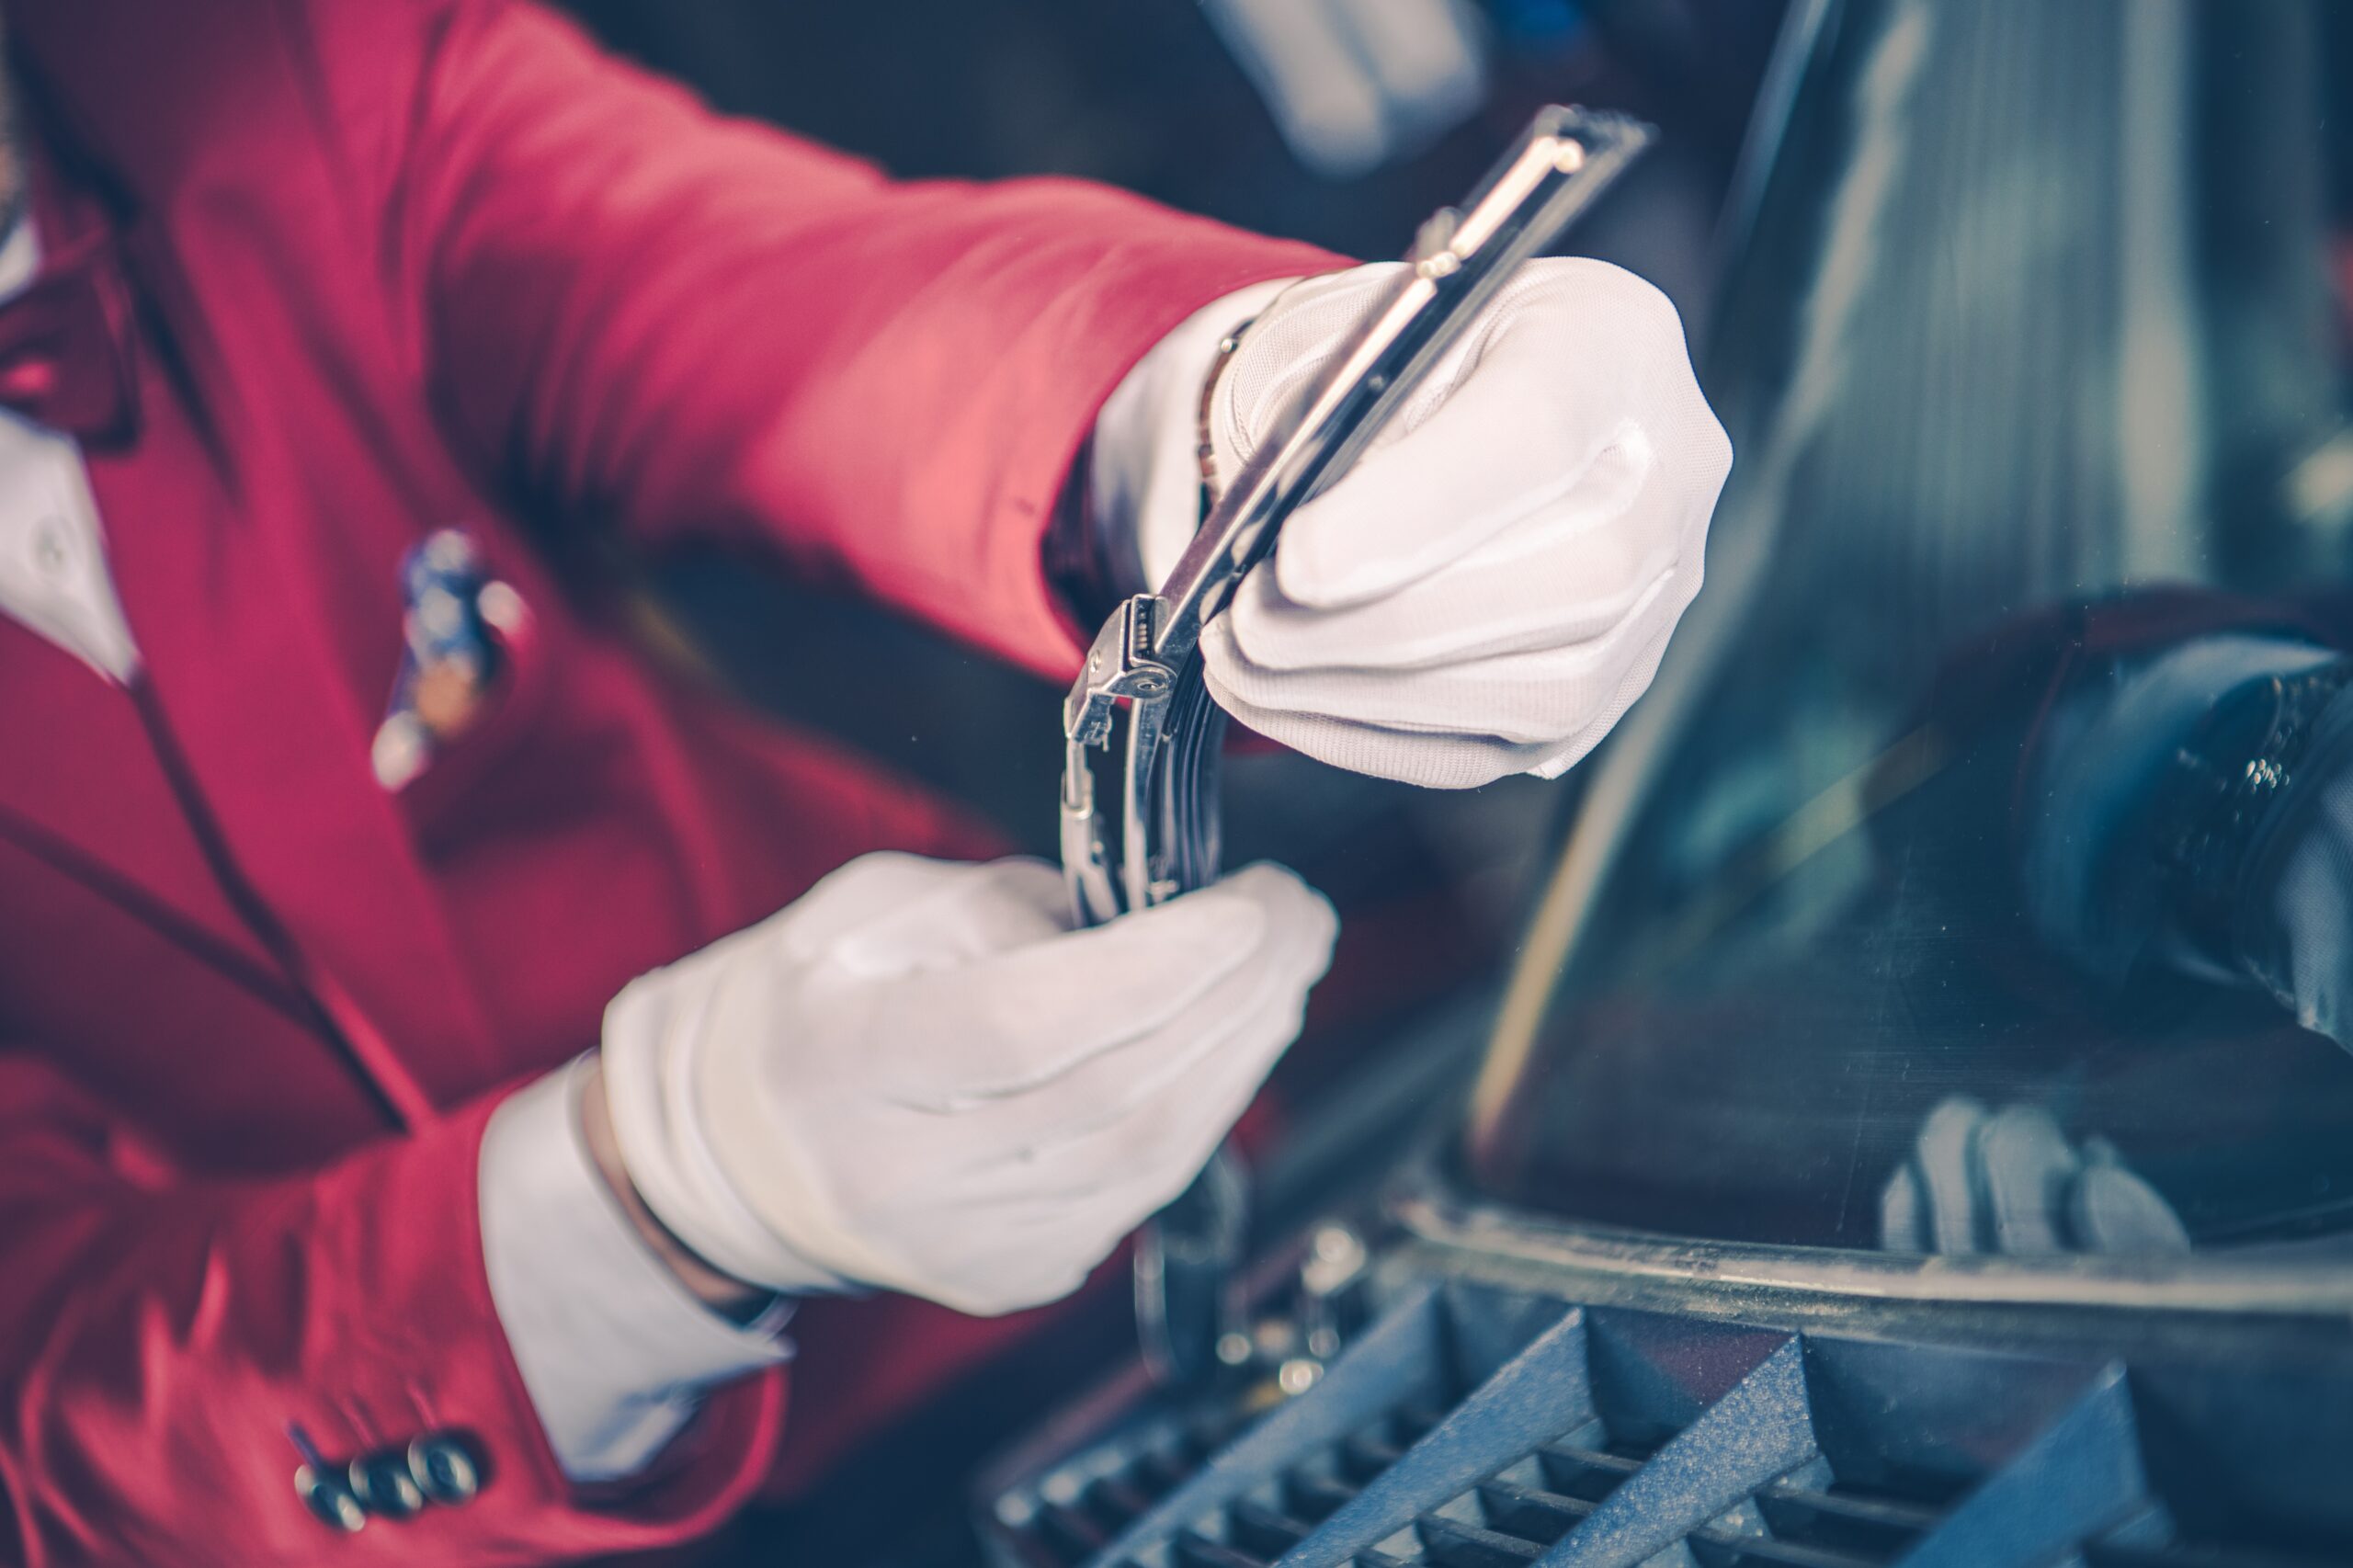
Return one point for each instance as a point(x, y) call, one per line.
point(613, 1349)
point(1143, 465)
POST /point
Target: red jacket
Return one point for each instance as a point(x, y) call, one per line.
point(403, 264)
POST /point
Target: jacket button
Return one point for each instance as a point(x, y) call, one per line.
point(329, 1495)
point(443, 1469)
point(383, 1485)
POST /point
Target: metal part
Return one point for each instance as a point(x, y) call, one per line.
point(1458, 1230)
point(1139, 720)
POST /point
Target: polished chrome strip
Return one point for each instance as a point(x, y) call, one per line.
point(2297, 1286)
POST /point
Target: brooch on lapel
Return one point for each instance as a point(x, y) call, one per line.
point(452, 627)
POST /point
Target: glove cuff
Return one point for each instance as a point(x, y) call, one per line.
point(648, 1037)
point(1143, 477)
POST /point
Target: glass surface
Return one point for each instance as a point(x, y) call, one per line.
point(1868, 931)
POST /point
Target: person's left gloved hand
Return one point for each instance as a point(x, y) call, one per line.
point(1491, 586)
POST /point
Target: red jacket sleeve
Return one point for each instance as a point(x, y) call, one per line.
point(159, 1339)
point(677, 321)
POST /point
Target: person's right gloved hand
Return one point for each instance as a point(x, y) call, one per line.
point(918, 1077)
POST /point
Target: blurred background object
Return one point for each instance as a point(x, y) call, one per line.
point(1352, 83)
point(1151, 94)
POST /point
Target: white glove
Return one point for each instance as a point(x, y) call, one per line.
point(1491, 586)
point(919, 1078)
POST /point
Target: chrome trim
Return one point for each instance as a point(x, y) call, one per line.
point(1431, 1213)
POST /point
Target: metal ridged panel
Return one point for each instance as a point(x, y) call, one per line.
point(2080, 1479)
point(1538, 1396)
point(1759, 1432)
point(1704, 1435)
point(1471, 1428)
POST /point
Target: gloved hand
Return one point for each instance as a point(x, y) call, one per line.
point(918, 1077)
point(2009, 1182)
point(1489, 588)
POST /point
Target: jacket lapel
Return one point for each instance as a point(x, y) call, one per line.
point(233, 585)
point(80, 792)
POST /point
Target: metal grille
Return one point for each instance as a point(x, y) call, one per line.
point(1808, 1521)
point(1282, 1476)
point(1258, 1530)
point(1085, 1513)
point(1084, 1507)
point(1469, 1428)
